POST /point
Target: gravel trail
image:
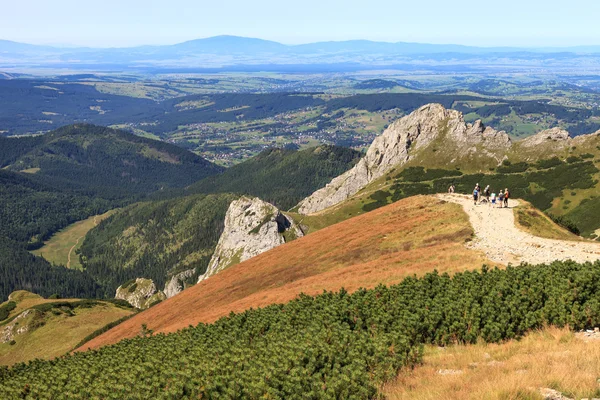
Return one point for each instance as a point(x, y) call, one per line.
point(498, 237)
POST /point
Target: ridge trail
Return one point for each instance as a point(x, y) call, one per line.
point(499, 238)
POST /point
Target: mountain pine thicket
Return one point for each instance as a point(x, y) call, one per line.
point(335, 345)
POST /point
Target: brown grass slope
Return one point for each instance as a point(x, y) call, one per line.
point(412, 236)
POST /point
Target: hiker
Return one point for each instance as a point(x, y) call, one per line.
point(475, 195)
point(451, 189)
point(478, 188)
point(493, 199)
point(500, 198)
point(486, 192)
point(506, 195)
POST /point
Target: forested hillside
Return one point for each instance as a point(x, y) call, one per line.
point(336, 345)
point(20, 269)
point(33, 208)
point(110, 163)
point(155, 240)
point(50, 181)
point(282, 177)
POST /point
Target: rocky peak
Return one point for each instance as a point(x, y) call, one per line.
point(141, 293)
point(403, 138)
point(252, 226)
point(546, 136)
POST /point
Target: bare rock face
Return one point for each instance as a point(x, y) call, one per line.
point(547, 136)
point(177, 283)
point(141, 293)
point(399, 142)
point(252, 227)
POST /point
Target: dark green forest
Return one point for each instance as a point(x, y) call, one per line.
point(155, 240)
point(281, 177)
point(21, 270)
point(332, 346)
point(84, 170)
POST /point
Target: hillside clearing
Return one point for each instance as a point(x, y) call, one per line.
point(61, 248)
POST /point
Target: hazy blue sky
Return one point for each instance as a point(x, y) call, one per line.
point(134, 22)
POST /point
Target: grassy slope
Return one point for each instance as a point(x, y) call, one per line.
point(551, 358)
point(532, 220)
point(412, 236)
point(59, 334)
point(67, 241)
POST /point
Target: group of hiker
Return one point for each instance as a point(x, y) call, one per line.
point(490, 197)
point(487, 196)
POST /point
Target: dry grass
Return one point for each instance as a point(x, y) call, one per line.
point(412, 236)
point(551, 358)
point(59, 334)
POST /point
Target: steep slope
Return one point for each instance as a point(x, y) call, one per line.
point(111, 162)
point(411, 236)
point(280, 176)
point(47, 328)
point(557, 173)
point(425, 128)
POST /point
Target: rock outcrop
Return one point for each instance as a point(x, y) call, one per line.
point(402, 140)
point(18, 326)
point(141, 293)
point(252, 227)
point(177, 283)
point(547, 136)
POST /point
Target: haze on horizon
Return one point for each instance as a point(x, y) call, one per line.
point(115, 23)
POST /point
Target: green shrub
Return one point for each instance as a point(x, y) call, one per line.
point(6, 309)
point(132, 288)
point(335, 345)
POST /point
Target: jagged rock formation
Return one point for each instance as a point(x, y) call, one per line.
point(404, 139)
point(252, 227)
point(140, 293)
point(177, 283)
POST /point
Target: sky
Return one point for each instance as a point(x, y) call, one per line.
point(123, 23)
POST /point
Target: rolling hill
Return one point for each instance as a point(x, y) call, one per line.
point(103, 160)
point(38, 328)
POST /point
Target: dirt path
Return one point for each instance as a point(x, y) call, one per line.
point(77, 242)
point(502, 242)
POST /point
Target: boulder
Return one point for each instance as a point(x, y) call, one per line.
point(141, 293)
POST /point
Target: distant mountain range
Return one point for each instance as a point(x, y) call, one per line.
point(220, 51)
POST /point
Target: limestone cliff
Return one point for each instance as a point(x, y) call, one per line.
point(429, 125)
point(177, 283)
point(140, 293)
point(252, 227)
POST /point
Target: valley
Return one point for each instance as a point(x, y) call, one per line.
point(357, 258)
point(63, 247)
